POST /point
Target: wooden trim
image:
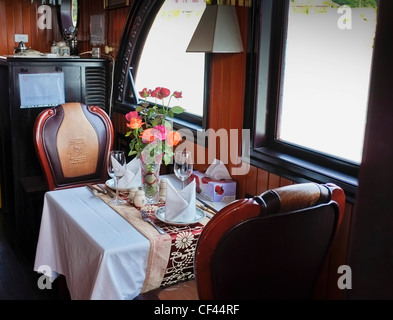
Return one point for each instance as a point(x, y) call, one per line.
point(112, 4)
point(39, 146)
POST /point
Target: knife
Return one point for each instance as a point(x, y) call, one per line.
point(92, 189)
point(106, 190)
point(96, 188)
point(202, 206)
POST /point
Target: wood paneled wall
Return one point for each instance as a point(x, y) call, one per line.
point(21, 16)
point(115, 20)
point(226, 99)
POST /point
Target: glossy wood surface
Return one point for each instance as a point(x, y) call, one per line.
point(20, 17)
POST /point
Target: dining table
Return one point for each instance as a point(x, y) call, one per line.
point(111, 253)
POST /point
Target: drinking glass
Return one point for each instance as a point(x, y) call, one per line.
point(117, 169)
point(183, 165)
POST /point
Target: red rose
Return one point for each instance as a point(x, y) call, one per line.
point(154, 93)
point(132, 114)
point(162, 92)
point(177, 94)
point(144, 93)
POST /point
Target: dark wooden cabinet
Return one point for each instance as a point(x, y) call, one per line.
point(22, 182)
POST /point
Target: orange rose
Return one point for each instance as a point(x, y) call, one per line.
point(147, 136)
point(173, 138)
point(135, 123)
point(151, 134)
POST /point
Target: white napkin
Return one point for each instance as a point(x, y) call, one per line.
point(133, 177)
point(217, 170)
point(180, 205)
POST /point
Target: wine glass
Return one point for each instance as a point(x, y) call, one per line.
point(117, 169)
point(183, 165)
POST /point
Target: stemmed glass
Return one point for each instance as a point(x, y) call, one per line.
point(183, 165)
point(117, 169)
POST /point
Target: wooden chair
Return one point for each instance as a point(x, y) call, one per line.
point(268, 247)
point(72, 143)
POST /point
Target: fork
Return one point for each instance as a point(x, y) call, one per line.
point(145, 217)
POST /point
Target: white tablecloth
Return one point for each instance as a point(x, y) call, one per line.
point(101, 255)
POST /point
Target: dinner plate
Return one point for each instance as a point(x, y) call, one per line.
point(199, 215)
point(111, 184)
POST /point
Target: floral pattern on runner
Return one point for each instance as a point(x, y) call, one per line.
point(184, 241)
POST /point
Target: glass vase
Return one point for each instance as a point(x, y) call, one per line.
point(151, 180)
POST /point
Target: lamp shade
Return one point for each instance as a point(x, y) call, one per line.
point(218, 31)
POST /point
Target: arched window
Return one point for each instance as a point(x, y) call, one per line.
point(153, 54)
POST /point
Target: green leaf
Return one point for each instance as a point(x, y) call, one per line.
point(177, 110)
point(168, 125)
point(128, 133)
point(155, 122)
point(169, 153)
point(152, 113)
point(166, 159)
point(132, 145)
point(171, 114)
point(139, 108)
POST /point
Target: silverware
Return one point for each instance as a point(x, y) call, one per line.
point(102, 189)
point(145, 217)
point(92, 189)
point(99, 188)
point(106, 190)
point(204, 208)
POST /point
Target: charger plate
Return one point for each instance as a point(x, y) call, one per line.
point(199, 215)
point(111, 184)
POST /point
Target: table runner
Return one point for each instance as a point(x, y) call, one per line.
point(171, 256)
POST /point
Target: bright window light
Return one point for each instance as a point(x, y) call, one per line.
point(326, 76)
point(164, 61)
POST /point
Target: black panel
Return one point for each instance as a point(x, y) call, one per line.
point(22, 182)
point(96, 86)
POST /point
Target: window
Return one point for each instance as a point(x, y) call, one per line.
point(152, 54)
point(313, 70)
point(164, 61)
point(325, 79)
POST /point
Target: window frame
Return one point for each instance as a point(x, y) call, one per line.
point(140, 19)
point(263, 90)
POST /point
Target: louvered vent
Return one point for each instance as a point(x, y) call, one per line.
point(96, 88)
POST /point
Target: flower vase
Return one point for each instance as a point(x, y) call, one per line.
point(151, 180)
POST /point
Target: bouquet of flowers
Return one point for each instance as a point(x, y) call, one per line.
point(152, 134)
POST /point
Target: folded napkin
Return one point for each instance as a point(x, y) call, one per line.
point(133, 177)
point(180, 205)
point(217, 170)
